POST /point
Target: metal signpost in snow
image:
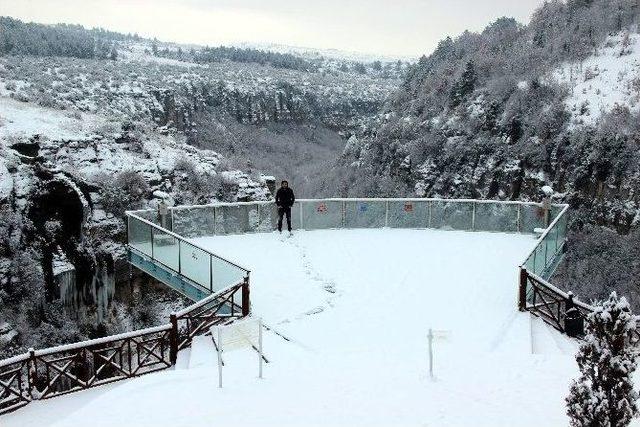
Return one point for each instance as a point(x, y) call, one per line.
point(435, 335)
point(237, 335)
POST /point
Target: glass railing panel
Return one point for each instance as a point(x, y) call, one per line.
point(531, 217)
point(408, 214)
point(225, 274)
point(166, 249)
point(562, 228)
point(195, 264)
point(365, 214)
point(554, 212)
point(552, 244)
point(540, 261)
point(232, 219)
point(530, 263)
point(496, 217)
point(194, 221)
point(451, 215)
point(150, 215)
point(321, 214)
point(530, 266)
point(267, 217)
point(139, 235)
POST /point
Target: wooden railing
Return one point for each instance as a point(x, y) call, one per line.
point(13, 383)
point(557, 307)
point(548, 302)
point(51, 372)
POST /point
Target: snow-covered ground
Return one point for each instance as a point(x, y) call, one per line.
point(26, 119)
point(607, 79)
point(356, 306)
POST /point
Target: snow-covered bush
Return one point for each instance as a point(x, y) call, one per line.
point(603, 395)
point(125, 192)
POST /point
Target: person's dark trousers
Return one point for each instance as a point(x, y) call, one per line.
point(281, 212)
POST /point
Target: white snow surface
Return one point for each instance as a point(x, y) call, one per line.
point(609, 78)
point(26, 119)
point(356, 306)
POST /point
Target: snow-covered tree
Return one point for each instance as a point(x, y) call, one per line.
point(603, 395)
point(465, 85)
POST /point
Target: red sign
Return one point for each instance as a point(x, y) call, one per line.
point(322, 208)
point(408, 207)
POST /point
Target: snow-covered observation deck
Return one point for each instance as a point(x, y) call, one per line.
point(347, 302)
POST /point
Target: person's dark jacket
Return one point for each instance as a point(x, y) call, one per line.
point(285, 197)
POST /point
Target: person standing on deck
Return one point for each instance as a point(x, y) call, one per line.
point(284, 200)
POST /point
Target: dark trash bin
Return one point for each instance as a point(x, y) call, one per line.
point(573, 323)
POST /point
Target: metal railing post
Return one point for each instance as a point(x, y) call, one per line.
point(301, 219)
point(211, 273)
point(344, 214)
point(215, 221)
point(179, 256)
point(429, 219)
point(258, 212)
point(518, 219)
point(151, 232)
point(473, 217)
point(386, 213)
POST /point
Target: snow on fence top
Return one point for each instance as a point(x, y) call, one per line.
point(104, 340)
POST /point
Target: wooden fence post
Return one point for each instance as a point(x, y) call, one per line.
point(32, 374)
point(173, 339)
point(522, 290)
point(246, 304)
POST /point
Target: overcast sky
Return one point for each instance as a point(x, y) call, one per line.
point(386, 27)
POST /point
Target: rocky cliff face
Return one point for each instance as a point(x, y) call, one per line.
point(62, 201)
point(502, 113)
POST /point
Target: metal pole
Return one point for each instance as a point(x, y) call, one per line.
point(219, 348)
point(211, 273)
point(179, 256)
point(344, 213)
point(215, 221)
point(258, 223)
point(473, 217)
point(430, 209)
point(386, 213)
point(260, 347)
point(430, 336)
point(301, 220)
point(518, 219)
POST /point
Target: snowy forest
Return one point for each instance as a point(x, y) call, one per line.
point(94, 122)
point(501, 113)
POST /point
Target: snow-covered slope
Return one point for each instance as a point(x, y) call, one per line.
point(355, 307)
point(608, 79)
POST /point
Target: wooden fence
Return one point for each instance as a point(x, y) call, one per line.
point(42, 374)
point(557, 307)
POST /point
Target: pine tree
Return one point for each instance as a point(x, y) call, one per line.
point(465, 85)
point(603, 395)
point(154, 47)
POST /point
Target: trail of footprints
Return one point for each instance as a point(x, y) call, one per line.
point(327, 284)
